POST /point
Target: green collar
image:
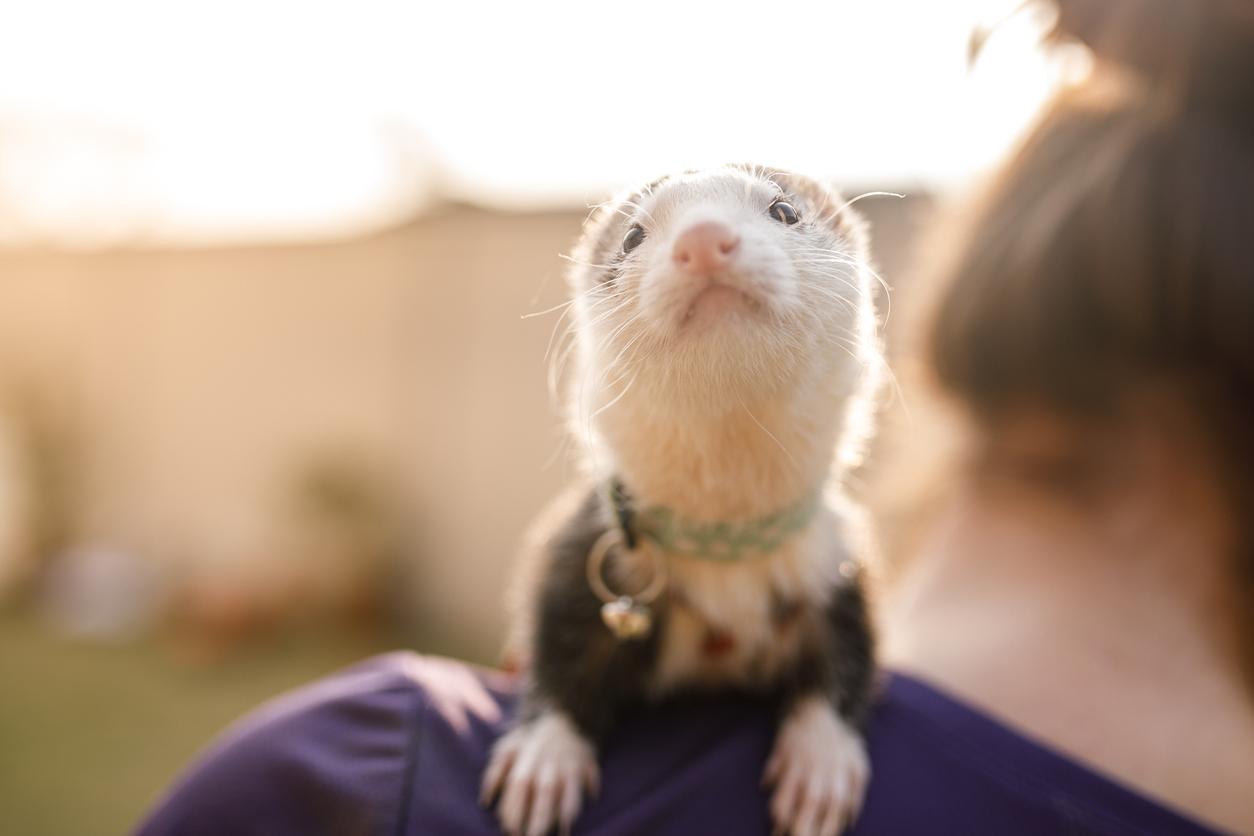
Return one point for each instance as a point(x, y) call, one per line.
point(724, 542)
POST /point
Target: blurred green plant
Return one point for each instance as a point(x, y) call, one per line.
point(91, 734)
point(47, 467)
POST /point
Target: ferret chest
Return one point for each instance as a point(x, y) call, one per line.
point(736, 624)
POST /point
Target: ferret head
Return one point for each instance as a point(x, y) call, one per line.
point(704, 292)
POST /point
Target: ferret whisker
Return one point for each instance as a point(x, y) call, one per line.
point(609, 301)
point(631, 344)
point(613, 297)
point(573, 260)
point(606, 339)
point(553, 333)
point(887, 289)
point(609, 339)
point(864, 196)
point(787, 453)
point(546, 311)
point(836, 296)
point(604, 316)
point(608, 304)
point(557, 368)
point(639, 209)
point(617, 398)
point(862, 265)
point(618, 210)
point(838, 276)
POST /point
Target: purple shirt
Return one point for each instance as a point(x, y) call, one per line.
point(396, 744)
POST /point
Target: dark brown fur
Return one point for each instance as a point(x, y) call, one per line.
point(579, 667)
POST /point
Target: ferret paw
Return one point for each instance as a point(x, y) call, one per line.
point(820, 771)
point(540, 771)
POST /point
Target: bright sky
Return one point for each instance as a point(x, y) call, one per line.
point(216, 121)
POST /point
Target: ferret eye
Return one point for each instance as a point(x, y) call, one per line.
point(783, 211)
point(633, 238)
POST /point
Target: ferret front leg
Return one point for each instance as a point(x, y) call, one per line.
point(541, 769)
point(819, 766)
point(819, 770)
point(580, 676)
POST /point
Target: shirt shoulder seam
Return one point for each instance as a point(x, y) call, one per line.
point(409, 775)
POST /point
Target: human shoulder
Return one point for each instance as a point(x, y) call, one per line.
point(336, 756)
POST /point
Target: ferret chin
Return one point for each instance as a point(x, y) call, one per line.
point(727, 358)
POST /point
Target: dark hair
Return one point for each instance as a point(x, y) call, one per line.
point(1115, 252)
point(1198, 52)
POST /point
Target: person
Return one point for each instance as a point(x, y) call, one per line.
point(1069, 648)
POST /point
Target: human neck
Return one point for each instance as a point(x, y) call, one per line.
point(1105, 633)
point(1099, 584)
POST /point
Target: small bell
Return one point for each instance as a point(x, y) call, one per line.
point(627, 619)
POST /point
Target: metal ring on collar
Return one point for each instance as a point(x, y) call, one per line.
point(597, 555)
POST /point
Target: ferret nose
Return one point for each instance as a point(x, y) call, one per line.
point(705, 248)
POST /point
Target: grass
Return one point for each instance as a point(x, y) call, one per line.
point(90, 735)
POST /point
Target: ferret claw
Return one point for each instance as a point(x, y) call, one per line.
point(819, 770)
point(540, 771)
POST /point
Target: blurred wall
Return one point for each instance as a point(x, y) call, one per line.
point(197, 384)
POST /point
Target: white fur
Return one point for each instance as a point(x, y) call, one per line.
point(722, 414)
point(738, 413)
point(736, 599)
point(540, 769)
point(819, 769)
point(734, 415)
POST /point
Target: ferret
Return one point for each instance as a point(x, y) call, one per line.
point(727, 360)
